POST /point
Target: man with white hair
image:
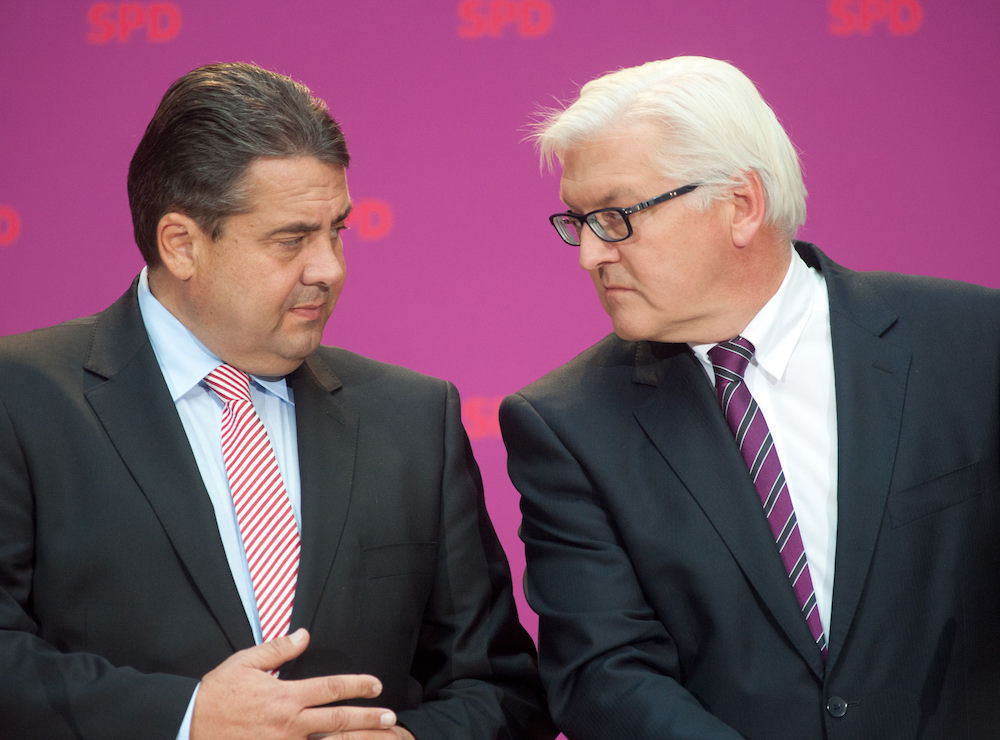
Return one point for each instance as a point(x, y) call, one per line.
point(769, 504)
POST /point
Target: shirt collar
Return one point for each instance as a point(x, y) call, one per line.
point(183, 359)
point(778, 326)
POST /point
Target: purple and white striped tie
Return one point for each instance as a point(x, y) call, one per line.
point(263, 511)
point(730, 360)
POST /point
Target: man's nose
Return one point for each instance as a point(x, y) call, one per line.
point(594, 251)
point(326, 262)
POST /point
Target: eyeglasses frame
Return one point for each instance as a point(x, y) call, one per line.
point(591, 217)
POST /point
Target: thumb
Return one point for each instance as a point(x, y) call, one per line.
point(273, 654)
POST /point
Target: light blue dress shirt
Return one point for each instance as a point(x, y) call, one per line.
point(185, 362)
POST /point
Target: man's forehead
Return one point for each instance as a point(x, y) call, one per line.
point(587, 196)
point(614, 164)
point(605, 182)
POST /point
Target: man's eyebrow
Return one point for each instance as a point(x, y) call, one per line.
point(297, 227)
point(305, 227)
point(614, 196)
point(566, 203)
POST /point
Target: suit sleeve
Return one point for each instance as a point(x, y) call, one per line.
point(610, 666)
point(476, 663)
point(45, 692)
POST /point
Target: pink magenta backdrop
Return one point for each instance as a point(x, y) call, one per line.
point(453, 269)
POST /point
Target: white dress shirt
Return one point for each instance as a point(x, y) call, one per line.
point(791, 378)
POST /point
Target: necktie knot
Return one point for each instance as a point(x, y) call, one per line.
point(229, 383)
point(730, 359)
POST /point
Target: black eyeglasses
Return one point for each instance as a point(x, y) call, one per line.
point(609, 224)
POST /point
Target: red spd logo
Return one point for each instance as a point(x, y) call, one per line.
point(371, 219)
point(158, 22)
point(849, 17)
point(481, 416)
point(10, 225)
point(527, 18)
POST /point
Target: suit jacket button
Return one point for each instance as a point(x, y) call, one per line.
point(836, 706)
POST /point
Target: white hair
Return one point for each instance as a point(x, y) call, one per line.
point(716, 130)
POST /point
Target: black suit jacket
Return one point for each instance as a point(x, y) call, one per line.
point(115, 593)
point(665, 611)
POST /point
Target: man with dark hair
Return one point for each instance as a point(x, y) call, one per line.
point(211, 526)
point(768, 505)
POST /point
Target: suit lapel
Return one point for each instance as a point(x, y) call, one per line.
point(327, 440)
point(128, 394)
point(716, 477)
point(870, 375)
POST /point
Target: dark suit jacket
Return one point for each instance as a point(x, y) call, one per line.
point(115, 593)
point(665, 611)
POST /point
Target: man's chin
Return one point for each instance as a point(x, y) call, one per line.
point(286, 359)
point(628, 332)
point(300, 352)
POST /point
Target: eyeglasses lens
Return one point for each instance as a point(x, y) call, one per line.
point(610, 225)
point(569, 228)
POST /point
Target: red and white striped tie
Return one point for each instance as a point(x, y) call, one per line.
point(267, 524)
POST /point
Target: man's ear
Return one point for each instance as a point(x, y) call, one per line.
point(750, 208)
point(177, 238)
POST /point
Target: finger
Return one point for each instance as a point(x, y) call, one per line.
point(275, 653)
point(322, 721)
point(387, 734)
point(313, 692)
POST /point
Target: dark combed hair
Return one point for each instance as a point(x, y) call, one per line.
point(210, 127)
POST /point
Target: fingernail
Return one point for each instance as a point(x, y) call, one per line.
point(376, 688)
point(388, 719)
point(298, 636)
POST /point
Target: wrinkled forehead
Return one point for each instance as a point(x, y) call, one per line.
point(618, 164)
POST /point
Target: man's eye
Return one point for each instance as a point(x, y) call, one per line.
point(291, 243)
